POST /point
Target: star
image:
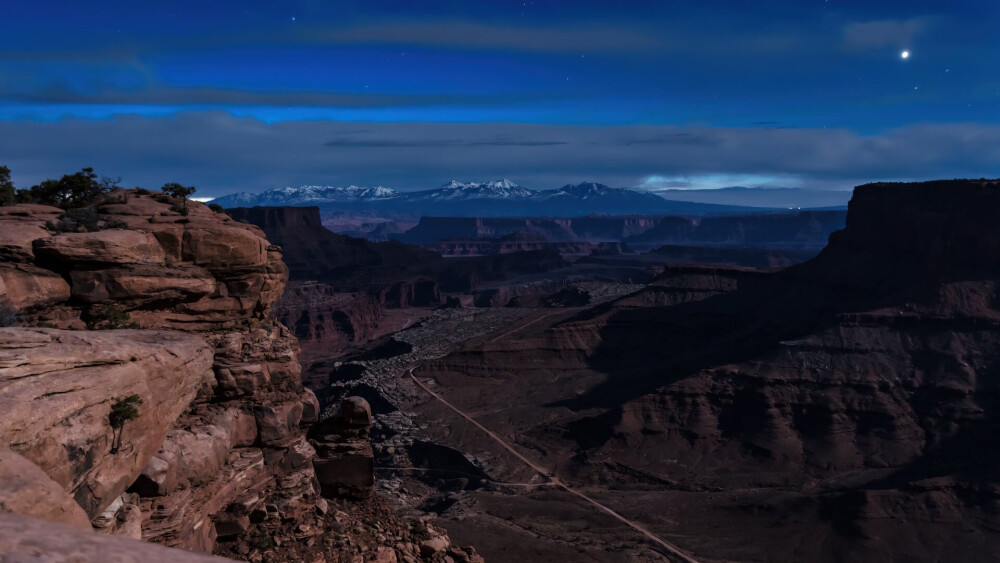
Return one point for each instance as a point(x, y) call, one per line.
point(293, 18)
point(904, 55)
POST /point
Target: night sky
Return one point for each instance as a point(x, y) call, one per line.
point(234, 96)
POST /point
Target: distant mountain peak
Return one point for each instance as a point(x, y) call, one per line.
point(494, 184)
point(495, 189)
point(308, 194)
point(469, 199)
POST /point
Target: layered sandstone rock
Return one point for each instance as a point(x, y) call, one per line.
point(220, 431)
point(58, 387)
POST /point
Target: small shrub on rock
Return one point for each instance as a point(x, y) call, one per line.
point(110, 317)
point(114, 224)
point(79, 220)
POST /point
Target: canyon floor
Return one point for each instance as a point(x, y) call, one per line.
point(467, 454)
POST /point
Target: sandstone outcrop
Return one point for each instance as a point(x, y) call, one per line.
point(26, 489)
point(57, 388)
point(215, 456)
point(220, 431)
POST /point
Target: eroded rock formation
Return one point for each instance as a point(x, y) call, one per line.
point(185, 422)
point(220, 429)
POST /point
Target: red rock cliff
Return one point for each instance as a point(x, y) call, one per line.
point(220, 431)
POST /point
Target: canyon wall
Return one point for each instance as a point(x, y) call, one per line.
point(785, 230)
point(578, 229)
point(852, 399)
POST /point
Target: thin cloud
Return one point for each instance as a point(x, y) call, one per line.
point(220, 153)
point(861, 36)
point(159, 95)
point(499, 141)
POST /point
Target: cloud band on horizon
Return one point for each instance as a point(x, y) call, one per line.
point(221, 153)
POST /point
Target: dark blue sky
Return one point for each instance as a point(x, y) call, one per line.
point(251, 95)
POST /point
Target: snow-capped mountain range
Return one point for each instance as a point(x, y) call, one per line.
point(502, 189)
point(468, 199)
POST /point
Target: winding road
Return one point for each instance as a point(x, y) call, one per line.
point(669, 547)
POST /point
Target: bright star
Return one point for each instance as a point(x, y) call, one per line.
point(904, 55)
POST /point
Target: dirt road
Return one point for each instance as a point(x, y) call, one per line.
point(673, 551)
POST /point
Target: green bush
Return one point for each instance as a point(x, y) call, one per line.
point(72, 190)
point(79, 220)
point(109, 317)
point(115, 224)
point(216, 208)
point(264, 542)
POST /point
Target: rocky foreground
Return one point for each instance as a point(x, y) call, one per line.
point(148, 392)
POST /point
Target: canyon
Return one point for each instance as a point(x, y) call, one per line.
point(745, 390)
point(149, 393)
point(839, 409)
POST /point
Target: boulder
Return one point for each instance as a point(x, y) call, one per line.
point(58, 387)
point(27, 539)
point(310, 408)
point(16, 240)
point(434, 546)
point(356, 411)
point(26, 489)
point(28, 287)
